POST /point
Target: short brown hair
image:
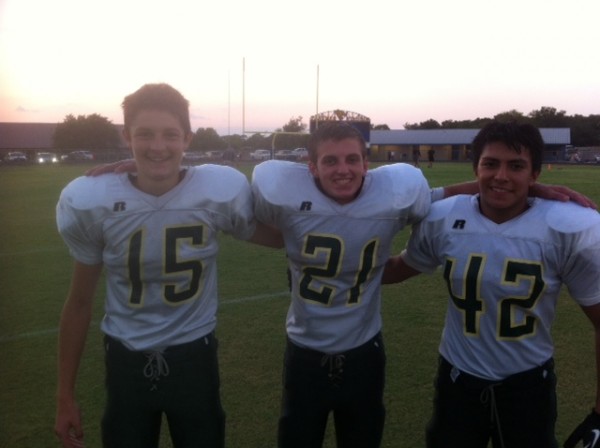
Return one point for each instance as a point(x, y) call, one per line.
point(335, 131)
point(158, 97)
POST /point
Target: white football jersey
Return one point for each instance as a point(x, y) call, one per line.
point(504, 279)
point(159, 253)
point(336, 253)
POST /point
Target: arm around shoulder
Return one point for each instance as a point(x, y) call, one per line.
point(471, 187)
point(560, 193)
point(396, 270)
point(268, 236)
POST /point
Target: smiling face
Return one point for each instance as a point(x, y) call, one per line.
point(158, 141)
point(339, 168)
point(504, 176)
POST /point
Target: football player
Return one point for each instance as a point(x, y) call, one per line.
point(504, 257)
point(338, 221)
point(154, 234)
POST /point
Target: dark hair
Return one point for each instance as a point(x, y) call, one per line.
point(335, 131)
point(161, 97)
point(514, 135)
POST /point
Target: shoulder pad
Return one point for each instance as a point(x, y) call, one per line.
point(219, 183)
point(440, 209)
point(272, 179)
point(406, 183)
point(568, 217)
point(87, 192)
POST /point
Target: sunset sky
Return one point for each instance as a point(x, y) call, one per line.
point(394, 61)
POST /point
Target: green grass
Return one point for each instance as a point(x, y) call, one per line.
point(35, 270)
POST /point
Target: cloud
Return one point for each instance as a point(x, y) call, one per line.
point(24, 110)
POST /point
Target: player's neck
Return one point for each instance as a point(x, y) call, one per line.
point(156, 187)
point(502, 215)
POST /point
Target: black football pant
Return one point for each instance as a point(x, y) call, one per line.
point(517, 412)
point(182, 384)
point(349, 385)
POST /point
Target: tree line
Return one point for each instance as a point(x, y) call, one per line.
point(585, 131)
point(96, 132)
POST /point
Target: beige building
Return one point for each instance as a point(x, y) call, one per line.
point(449, 144)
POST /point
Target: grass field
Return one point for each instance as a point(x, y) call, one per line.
point(34, 276)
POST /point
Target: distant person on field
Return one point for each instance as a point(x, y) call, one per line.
point(430, 157)
point(504, 257)
point(416, 156)
point(229, 157)
point(155, 236)
point(575, 157)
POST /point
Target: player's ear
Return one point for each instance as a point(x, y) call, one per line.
point(313, 169)
point(188, 139)
point(126, 135)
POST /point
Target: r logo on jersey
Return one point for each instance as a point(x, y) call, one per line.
point(306, 206)
point(119, 207)
point(459, 224)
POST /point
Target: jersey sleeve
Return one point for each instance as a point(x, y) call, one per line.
point(420, 252)
point(230, 191)
point(271, 182)
point(79, 220)
point(410, 190)
point(579, 235)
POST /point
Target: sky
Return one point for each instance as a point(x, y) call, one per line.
point(251, 66)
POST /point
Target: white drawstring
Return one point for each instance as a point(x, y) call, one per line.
point(155, 367)
point(488, 395)
point(336, 366)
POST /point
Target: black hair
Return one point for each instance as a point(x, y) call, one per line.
point(514, 135)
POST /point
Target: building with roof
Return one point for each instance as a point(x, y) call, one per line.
point(32, 138)
point(450, 144)
point(26, 136)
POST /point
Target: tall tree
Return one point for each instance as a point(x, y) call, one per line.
point(428, 124)
point(549, 117)
point(512, 115)
point(291, 135)
point(86, 132)
point(206, 139)
point(585, 131)
point(259, 141)
point(294, 125)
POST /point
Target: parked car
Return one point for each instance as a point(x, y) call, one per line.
point(214, 155)
point(15, 158)
point(78, 156)
point(300, 153)
point(46, 158)
point(260, 154)
point(285, 154)
point(194, 157)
